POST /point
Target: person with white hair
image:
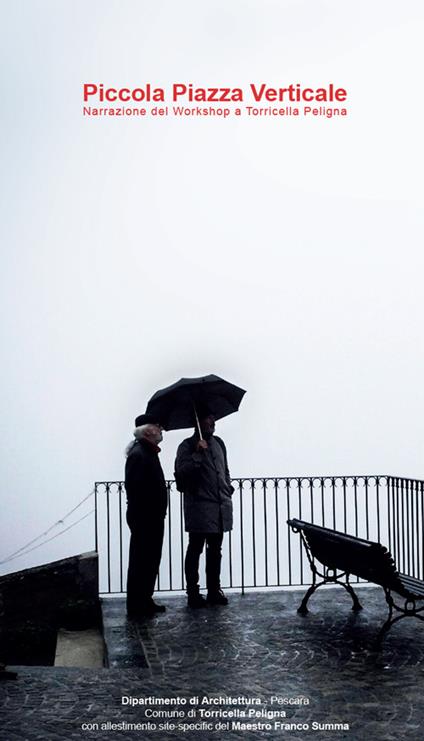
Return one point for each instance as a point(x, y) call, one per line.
point(147, 501)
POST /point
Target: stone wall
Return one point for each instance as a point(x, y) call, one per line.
point(35, 603)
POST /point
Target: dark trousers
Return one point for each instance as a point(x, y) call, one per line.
point(196, 542)
point(143, 564)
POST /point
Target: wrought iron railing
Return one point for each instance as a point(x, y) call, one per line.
point(261, 551)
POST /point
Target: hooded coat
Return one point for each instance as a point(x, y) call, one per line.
point(204, 478)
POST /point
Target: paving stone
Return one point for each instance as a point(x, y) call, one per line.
point(256, 646)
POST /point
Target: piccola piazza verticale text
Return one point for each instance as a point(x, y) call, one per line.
point(293, 93)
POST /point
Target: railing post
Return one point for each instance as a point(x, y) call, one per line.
point(241, 535)
point(96, 536)
point(277, 529)
point(121, 564)
point(108, 535)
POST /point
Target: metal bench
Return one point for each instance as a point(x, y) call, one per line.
point(342, 555)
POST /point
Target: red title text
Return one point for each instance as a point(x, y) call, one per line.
point(293, 93)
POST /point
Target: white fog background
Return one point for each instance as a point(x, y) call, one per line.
point(282, 254)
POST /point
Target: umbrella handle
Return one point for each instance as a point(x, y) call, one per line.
point(197, 422)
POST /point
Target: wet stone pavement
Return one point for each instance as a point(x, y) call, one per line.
point(325, 669)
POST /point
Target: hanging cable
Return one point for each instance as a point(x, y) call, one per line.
point(24, 552)
point(46, 532)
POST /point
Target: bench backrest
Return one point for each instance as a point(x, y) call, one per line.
point(335, 550)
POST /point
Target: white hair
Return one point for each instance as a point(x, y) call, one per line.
point(139, 434)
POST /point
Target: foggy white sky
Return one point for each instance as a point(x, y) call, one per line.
point(283, 254)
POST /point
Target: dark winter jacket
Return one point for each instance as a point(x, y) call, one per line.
point(147, 496)
point(204, 478)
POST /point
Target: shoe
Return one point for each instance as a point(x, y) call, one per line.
point(217, 598)
point(6, 673)
point(195, 601)
point(138, 614)
point(156, 607)
point(149, 609)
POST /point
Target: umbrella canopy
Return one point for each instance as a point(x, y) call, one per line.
point(179, 405)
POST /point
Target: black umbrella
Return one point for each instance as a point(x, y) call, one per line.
point(178, 406)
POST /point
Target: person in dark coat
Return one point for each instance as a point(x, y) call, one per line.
point(147, 501)
point(201, 472)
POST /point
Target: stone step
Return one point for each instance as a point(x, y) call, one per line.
point(82, 648)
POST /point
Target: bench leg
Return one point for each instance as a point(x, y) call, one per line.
point(405, 612)
point(356, 603)
point(302, 609)
point(387, 625)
